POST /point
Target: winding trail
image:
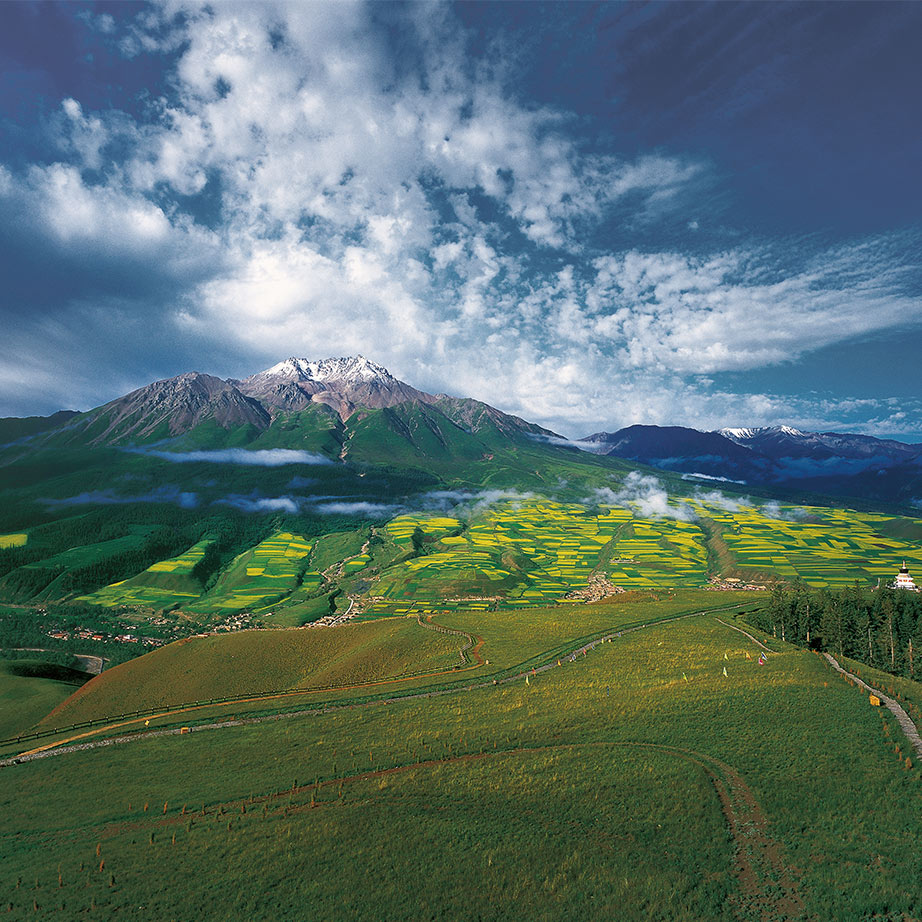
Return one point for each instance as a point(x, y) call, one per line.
point(895, 708)
point(768, 890)
point(71, 744)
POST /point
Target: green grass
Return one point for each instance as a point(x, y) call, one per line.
point(251, 663)
point(25, 700)
point(561, 814)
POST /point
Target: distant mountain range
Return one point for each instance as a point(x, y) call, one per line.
point(353, 409)
point(827, 462)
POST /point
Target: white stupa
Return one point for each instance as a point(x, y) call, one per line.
point(904, 580)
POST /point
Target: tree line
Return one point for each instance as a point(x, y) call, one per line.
point(882, 628)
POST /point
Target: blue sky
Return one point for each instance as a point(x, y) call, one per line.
point(590, 215)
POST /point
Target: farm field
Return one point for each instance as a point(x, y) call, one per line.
point(161, 585)
point(531, 553)
point(592, 790)
point(520, 553)
point(15, 540)
point(265, 573)
point(820, 546)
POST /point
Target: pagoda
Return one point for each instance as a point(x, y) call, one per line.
point(904, 580)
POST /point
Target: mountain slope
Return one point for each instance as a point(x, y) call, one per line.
point(169, 408)
point(825, 462)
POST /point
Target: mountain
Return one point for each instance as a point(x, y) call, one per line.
point(678, 448)
point(346, 408)
point(169, 408)
point(779, 442)
point(341, 383)
point(828, 462)
point(14, 428)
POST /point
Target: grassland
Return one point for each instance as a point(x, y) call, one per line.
point(256, 662)
point(26, 699)
point(586, 793)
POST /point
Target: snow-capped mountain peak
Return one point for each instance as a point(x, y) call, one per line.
point(352, 369)
point(737, 434)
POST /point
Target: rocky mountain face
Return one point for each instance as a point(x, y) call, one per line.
point(169, 408)
point(340, 383)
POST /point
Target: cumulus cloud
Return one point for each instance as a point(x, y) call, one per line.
point(300, 187)
point(646, 495)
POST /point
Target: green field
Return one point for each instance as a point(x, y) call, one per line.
point(262, 575)
point(162, 585)
point(26, 699)
point(818, 545)
point(590, 792)
point(257, 662)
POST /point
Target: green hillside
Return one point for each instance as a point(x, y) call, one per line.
point(666, 774)
point(253, 663)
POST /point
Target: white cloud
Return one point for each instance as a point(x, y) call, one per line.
point(426, 216)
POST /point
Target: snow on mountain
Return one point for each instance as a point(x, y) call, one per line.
point(342, 384)
point(351, 369)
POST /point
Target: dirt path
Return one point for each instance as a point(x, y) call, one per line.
point(757, 642)
point(71, 744)
point(903, 719)
point(768, 891)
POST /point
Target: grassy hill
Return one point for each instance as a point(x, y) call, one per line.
point(664, 775)
point(29, 689)
point(255, 662)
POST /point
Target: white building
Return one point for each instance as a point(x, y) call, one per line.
point(904, 580)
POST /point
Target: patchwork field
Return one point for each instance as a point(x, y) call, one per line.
point(821, 546)
point(529, 553)
point(161, 585)
point(267, 572)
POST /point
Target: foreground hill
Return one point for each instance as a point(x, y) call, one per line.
point(666, 774)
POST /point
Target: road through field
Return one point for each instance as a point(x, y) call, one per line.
point(71, 744)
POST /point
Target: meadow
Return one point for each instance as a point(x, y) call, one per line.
point(26, 698)
point(664, 775)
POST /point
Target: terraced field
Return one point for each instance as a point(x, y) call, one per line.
point(822, 547)
point(532, 553)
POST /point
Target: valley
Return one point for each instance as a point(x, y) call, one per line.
point(357, 636)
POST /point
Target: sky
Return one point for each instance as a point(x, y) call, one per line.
point(589, 215)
